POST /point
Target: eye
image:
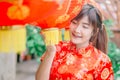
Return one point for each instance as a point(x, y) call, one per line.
point(86, 27)
point(74, 22)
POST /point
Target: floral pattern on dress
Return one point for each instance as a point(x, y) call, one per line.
point(80, 64)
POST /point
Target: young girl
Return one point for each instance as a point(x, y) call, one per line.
point(83, 58)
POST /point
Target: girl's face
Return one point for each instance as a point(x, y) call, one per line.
point(81, 32)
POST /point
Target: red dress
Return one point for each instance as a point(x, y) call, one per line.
point(80, 64)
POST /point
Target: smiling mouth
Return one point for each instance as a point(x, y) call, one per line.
point(76, 36)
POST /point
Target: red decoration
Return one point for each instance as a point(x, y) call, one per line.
point(19, 12)
point(45, 13)
point(71, 63)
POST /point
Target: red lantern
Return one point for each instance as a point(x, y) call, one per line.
point(10, 12)
point(45, 13)
point(63, 15)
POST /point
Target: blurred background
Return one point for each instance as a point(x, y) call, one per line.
point(23, 23)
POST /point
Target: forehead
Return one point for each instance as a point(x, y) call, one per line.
point(84, 19)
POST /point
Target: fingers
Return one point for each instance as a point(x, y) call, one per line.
point(51, 49)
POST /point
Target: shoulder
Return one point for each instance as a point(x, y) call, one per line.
point(102, 56)
point(103, 67)
point(103, 59)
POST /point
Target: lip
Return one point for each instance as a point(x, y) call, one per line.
point(76, 36)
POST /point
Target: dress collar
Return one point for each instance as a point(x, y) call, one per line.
point(82, 51)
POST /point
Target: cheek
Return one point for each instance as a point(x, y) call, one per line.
point(89, 35)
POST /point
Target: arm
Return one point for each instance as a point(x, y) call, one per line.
point(43, 71)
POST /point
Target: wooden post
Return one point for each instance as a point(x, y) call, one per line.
point(118, 13)
point(7, 66)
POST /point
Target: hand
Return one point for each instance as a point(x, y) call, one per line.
point(51, 50)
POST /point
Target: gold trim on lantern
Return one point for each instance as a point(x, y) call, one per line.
point(67, 35)
point(51, 35)
point(13, 40)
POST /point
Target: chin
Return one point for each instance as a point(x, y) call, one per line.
point(75, 41)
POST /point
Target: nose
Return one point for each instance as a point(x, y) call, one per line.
point(78, 29)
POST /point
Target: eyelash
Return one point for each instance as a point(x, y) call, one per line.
point(85, 27)
point(74, 22)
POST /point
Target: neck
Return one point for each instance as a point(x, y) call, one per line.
point(82, 45)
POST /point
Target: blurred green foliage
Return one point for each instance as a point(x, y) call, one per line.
point(35, 43)
point(113, 50)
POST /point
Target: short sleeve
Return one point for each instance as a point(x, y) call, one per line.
point(104, 71)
